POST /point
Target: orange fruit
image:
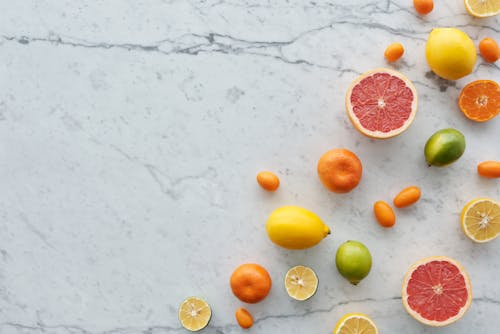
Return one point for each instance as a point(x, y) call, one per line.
point(489, 169)
point(251, 283)
point(407, 197)
point(244, 318)
point(340, 170)
point(384, 214)
point(381, 103)
point(480, 100)
point(423, 7)
point(268, 181)
point(489, 49)
point(436, 291)
point(394, 52)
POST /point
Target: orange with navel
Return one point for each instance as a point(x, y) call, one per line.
point(251, 283)
point(340, 170)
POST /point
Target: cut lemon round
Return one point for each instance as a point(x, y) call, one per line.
point(194, 314)
point(301, 282)
point(480, 219)
point(482, 8)
point(355, 323)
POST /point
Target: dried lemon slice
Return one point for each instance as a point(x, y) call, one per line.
point(480, 219)
point(301, 282)
point(194, 314)
point(355, 323)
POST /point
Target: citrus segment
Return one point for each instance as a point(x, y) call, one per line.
point(194, 314)
point(301, 282)
point(480, 100)
point(381, 103)
point(480, 219)
point(353, 323)
point(436, 291)
point(482, 8)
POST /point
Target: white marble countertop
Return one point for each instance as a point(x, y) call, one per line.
point(131, 133)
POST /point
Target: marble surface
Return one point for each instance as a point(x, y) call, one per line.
point(131, 133)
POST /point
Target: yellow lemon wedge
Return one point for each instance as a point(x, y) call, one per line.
point(301, 282)
point(480, 219)
point(355, 323)
point(194, 314)
point(482, 8)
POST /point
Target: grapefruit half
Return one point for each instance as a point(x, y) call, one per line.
point(381, 103)
point(437, 291)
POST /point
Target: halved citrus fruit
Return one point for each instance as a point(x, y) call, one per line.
point(480, 219)
point(482, 8)
point(381, 103)
point(436, 291)
point(480, 100)
point(194, 314)
point(355, 323)
point(301, 282)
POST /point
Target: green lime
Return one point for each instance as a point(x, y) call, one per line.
point(444, 147)
point(353, 261)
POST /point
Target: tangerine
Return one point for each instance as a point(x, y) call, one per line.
point(251, 283)
point(480, 100)
point(340, 170)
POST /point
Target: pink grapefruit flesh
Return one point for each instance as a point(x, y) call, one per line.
point(381, 103)
point(437, 291)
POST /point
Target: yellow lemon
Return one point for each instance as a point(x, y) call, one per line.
point(355, 323)
point(480, 219)
point(450, 53)
point(293, 227)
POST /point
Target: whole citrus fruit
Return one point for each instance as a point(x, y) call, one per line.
point(340, 170)
point(251, 283)
point(444, 147)
point(353, 261)
point(293, 227)
point(450, 53)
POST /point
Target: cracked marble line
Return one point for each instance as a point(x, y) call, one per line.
point(73, 329)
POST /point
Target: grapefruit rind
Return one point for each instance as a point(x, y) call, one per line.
point(416, 315)
point(379, 134)
point(348, 316)
point(463, 224)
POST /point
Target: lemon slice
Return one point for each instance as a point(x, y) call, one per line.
point(480, 219)
point(482, 8)
point(194, 314)
point(301, 282)
point(355, 323)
